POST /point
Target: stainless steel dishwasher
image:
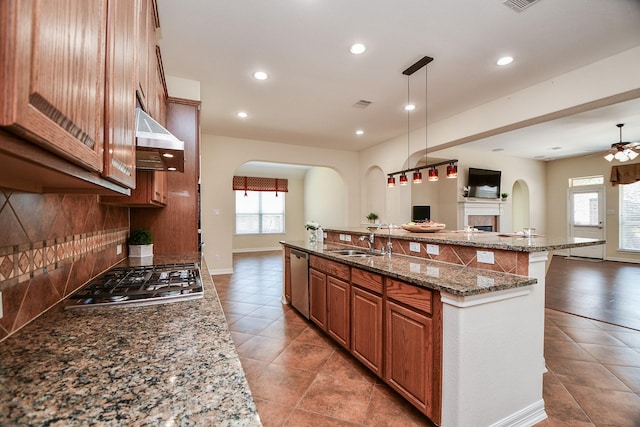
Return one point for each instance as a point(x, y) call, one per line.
point(300, 281)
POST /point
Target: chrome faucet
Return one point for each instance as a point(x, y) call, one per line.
point(389, 244)
point(370, 241)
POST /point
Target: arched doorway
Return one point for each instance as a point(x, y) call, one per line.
point(520, 209)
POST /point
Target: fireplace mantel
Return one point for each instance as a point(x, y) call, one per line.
point(481, 208)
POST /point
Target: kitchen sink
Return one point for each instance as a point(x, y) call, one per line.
point(354, 253)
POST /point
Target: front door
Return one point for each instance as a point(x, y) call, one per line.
point(586, 219)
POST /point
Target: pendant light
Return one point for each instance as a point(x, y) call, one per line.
point(452, 168)
point(433, 174)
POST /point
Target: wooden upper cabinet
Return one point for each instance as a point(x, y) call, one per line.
point(52, 54)
point(120, 90)
point(147, 24)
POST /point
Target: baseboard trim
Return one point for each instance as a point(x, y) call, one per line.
point(616, 259)
point(526, 417)
point(240, 251)
point(220, 271)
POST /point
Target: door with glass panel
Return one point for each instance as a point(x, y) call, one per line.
point(586, 219)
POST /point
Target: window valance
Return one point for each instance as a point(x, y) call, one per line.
point(253, 183)
point(625, 174)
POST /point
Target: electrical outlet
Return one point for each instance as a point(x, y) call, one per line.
point(414, 246)
point(118, 249)
point(347, 237)
point(433, 249)
point(342, 237)
point(216, 257)
point(414, 268)
point(485, 257)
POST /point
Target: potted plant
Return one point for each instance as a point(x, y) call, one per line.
point(504, 196)
point(372, 217)
point(140, 244)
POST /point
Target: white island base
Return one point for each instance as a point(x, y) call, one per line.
point(493, 355)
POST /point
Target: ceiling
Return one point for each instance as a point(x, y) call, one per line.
point(314, 81)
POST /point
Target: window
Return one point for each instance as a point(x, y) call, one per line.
point(630, 217)
point(260, 212)
point(586, 180)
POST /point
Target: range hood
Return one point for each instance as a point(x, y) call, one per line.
point(157, 148)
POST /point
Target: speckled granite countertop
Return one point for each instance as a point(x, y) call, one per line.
point(488, 240)
point(437, 275)
point(172, 365)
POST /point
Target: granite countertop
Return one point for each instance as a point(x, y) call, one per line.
point(169, 364)
point(488, 240)
point(437, 275)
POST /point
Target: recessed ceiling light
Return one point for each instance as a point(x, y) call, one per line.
point(555, 148)
point(242, 114)
point(167, 155)
point(505, 60)
point(495, 150)
point(357, 48)
point(171, 169)
point(359, 132)
point(410, 107)
point(260, 75)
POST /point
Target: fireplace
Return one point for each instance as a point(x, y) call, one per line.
point(482, 215)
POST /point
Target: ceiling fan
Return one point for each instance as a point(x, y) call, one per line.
point(622, 150)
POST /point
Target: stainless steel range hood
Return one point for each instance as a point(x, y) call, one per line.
point(156, 147)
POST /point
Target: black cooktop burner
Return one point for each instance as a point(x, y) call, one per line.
point(143, 285)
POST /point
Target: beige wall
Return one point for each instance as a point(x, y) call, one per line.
point(221, 156)
point(294, 223)
point(558, 174)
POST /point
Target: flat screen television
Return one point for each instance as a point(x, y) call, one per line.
point(421, 213)
point(483, 183)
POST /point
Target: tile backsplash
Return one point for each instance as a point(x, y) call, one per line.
point(50, 245)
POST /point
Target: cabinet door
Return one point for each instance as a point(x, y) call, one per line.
point(318, 298)
point(159, 187)
point(338, 310)
point(366, 328)
point(408, 356)
point(53, 66)
point(119, 159)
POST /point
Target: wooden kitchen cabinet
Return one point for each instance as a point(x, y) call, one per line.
point(150, 192)
point(366, 318)
point(339, 310)
point(318, 298)
point(53, 66)
point(120, 92)
point(412, 364)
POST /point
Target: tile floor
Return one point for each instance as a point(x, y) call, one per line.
point(298, 377)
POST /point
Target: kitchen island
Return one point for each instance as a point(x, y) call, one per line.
point(169, 364)
point(484, 317)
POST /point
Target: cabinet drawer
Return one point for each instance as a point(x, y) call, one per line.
point(332, 268)
point(367, 280)
point(413, 296)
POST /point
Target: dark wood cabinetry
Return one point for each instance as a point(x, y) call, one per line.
point(394, 328)
point(412, 346)
point(120, 93)
point(150, 191)
point(70, 73)
point(366, 318)
point(318, 298)
point(53, 75)
point(339, 310)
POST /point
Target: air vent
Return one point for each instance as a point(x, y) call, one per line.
point(519, 5)
point(363, 103)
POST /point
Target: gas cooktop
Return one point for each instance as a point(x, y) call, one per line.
point(143, 285)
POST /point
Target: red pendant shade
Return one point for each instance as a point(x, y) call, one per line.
point(433, 174)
